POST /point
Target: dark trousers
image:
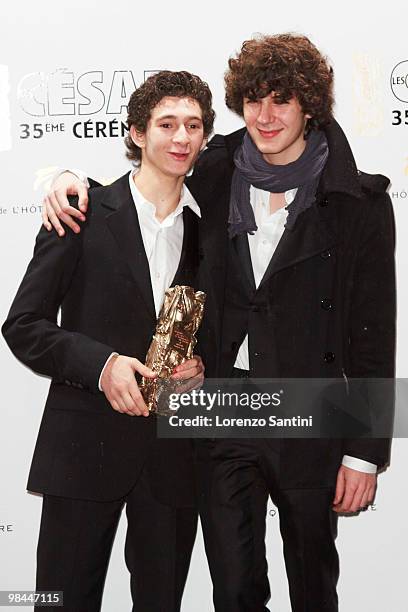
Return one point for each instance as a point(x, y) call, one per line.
point(75, 543)
point(236, 477)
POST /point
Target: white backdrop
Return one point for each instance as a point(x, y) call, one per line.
point(65, 74)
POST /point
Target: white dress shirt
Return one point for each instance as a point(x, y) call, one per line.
point(262, 245)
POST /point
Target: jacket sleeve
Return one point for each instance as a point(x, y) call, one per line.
point(373, 329)
point(31, 328)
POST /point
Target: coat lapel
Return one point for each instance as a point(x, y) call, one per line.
point(240, 245)
point(311, 235)
point(123, 222)
point(188, 264)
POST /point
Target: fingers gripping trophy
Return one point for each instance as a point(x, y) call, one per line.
point(173, 343)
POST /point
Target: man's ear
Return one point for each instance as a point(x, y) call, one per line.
point(139, 138)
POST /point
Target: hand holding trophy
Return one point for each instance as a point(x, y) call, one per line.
point(173, 343)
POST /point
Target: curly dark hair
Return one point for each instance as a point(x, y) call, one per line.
point(287, 64)
point(166, 83)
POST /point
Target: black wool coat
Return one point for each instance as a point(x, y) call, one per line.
point(326, 305)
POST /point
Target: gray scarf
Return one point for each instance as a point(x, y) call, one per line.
point(252, 169)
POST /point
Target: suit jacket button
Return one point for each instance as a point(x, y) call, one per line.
point(329, 357)
point(234, 346)
point(326, 304)
point(324, 202)
point(325, 254)
point(255, 308)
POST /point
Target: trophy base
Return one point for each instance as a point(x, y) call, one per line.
point(162, 389)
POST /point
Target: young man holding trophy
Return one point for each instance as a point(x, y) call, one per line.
point(95, 451)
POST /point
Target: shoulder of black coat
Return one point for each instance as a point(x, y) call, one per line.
point(373, 184)
point(214, 158)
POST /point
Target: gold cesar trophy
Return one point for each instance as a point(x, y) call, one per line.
point(172, 344)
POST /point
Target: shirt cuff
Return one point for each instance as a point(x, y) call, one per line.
point(359, 464)
point(103, 369)
point(78, 173)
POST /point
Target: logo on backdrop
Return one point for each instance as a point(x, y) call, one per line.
point(91, 104)
point(399, 87)
point(6, 528)
point(399, 194)
point(399, 81)
point(367, 91)
point(63, 104)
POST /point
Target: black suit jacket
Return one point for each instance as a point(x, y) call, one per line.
point(326, 305)
point(100, 279)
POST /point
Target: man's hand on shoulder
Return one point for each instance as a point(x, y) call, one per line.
point(119, 384)
point(354, 490)
point(56, 207)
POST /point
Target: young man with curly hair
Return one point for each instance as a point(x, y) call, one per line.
point(95, 452)
point(305, 245)
point(298, 247)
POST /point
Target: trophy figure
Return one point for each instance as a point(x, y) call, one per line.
point(172, 344)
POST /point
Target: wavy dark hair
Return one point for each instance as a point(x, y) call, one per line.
point(166, 83)
point(287, 64)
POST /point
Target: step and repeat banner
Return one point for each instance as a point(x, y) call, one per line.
point(66, 73)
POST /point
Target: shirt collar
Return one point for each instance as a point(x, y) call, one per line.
point(290, 195)
point(186, 199)
point(264, 197)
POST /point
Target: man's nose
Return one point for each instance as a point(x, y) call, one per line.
point(181, 136)
point(267, 110)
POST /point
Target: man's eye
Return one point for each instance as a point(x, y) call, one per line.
point(194, 126)
point(165, 125)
